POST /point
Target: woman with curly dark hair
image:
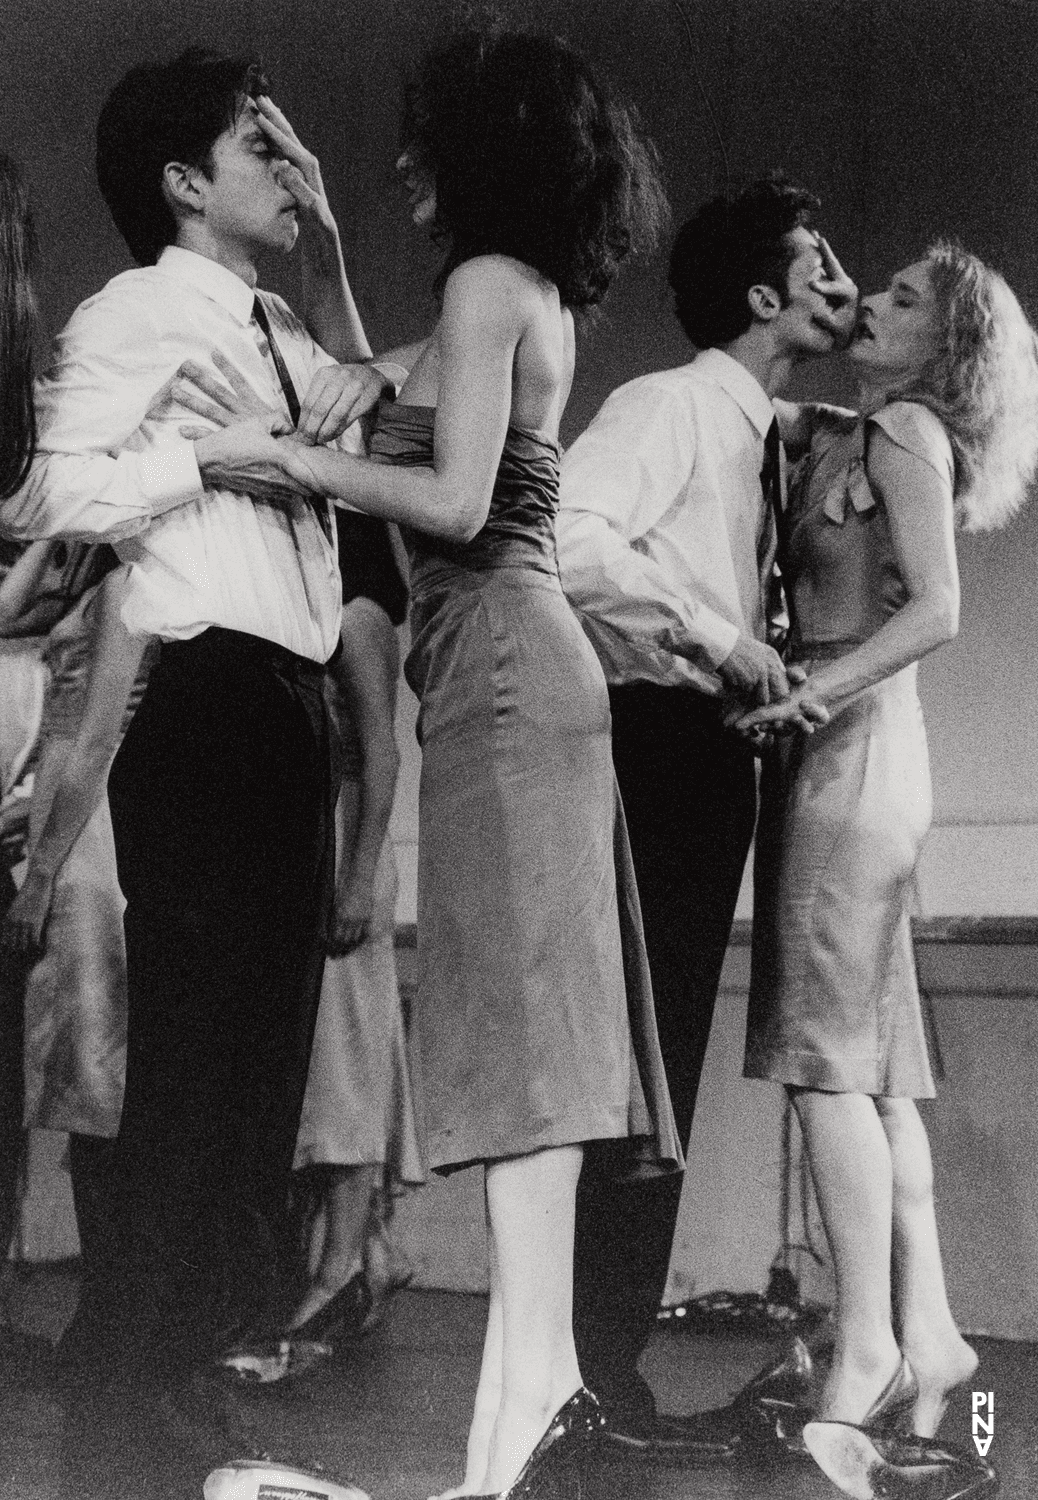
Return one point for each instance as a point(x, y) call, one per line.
point(540, 185)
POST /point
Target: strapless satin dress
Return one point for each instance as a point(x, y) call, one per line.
point(534, 1024)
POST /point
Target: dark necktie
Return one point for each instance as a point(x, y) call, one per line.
point(774, 516)
point(259, 315)
point(771, 485)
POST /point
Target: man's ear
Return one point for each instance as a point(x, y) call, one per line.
point(765, 302)
point(182, 189)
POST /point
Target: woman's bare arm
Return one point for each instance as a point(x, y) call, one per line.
point(919, 506)
point(488, 305)
point(115, 659)
point(366, 676)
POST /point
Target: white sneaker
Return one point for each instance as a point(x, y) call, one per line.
point(251, 1479)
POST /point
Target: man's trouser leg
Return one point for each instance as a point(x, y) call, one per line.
point(689, 793)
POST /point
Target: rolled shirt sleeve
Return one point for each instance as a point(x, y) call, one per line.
point(619, 481)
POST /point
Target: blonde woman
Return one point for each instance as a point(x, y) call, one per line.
point(947, 438)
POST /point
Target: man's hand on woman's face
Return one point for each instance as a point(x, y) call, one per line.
point(839, 293)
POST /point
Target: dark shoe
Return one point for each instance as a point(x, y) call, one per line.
point(892, 1466)
point(773, 1407)
point(341, 1317)
point(699, 1440)
point(555, 1469)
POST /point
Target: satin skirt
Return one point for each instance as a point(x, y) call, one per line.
point(534, 1024)
point(834, 1000)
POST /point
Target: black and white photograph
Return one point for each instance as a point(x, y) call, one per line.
point(519, 750)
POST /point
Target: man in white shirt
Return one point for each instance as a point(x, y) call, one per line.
point(220, 792)
point(667, 541)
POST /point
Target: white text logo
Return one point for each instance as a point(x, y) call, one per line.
point(983, 1425)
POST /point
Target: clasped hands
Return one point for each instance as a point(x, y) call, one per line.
point(762, 697)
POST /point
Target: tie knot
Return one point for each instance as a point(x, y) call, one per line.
point(771, 441)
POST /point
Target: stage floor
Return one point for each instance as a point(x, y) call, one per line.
point(391, 1415)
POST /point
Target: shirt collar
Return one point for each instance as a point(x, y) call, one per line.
point(745, 390)
point(210, 278)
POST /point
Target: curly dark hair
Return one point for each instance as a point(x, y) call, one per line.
point(18, 325)
point(158, 113)
point(729, 245)
point(533, 158)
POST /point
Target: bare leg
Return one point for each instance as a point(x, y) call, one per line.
point(852, 1174)
point(529, 1364)
point(346, 1207)
point(932, 1344)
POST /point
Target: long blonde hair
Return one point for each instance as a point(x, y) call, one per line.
point(983, 385)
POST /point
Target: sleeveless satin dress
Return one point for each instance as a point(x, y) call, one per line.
point(75, 995)
point(834, 1000)
point(534, 1024)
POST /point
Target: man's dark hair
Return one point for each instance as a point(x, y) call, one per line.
point(729, 245)
point(158, 113)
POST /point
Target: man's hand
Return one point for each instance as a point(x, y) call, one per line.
point(840, 295)
point(754, 672)
point(338, 396)
point(299, 171)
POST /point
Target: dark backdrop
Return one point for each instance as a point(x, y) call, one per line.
point(909, 118)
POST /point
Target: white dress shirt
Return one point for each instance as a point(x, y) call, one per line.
point(664, 547)
point(112, 465)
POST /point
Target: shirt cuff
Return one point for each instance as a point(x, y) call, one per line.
point(715, 636)
point(395, 374)
point(169, 475)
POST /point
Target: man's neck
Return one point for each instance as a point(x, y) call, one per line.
point(755, 350)
point(234, 257)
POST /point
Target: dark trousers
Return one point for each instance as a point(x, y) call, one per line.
point(220, 799)
point(689, 792)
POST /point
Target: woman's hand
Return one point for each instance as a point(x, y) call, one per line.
point(840, 294)
point(299, 171)
point(245, 456)
point(21, 935)
point(800, 711)
point(338, 396)
point(350, 920)
point(220, 402)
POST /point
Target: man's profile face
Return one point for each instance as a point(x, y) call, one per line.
point(805, 325)
point(245, 205)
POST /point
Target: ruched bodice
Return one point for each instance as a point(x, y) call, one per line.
point(840, 567)
point(520, 528)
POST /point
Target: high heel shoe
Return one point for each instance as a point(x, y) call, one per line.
point(892, 1409)
point(870, 1465)
point(555, 1470)
point(342, 1316)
